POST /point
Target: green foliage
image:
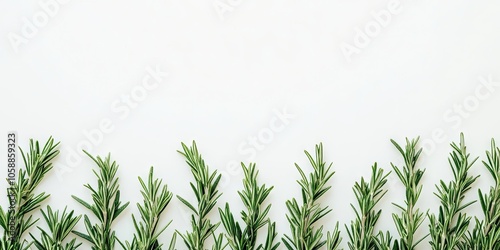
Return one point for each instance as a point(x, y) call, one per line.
point(156, 199)
point(205, 190)
point(448, 228)
point(59, 228)
point(303, 217)
point(106, 205)
point(37, 162)
point(410, 218)
point(368, 194)
point(486, 233)
point(253, 196)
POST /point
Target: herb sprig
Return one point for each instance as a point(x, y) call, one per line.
point(22, 196)
point(156, 199)
point(486, 233)
point(252, 196)
point(205, 190)
point(106, 205)
point(368, 194)
point(448, 228)
point(302, 218)
point(60, 227)
point(410, 218)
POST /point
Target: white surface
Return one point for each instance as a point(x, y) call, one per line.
point(228, 77)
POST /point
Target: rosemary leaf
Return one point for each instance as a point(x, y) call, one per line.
point(106, 205)
point(156, 199)
point(448, 228)
point(486, 233)
point(205, 190)
point(252, 196)
point(23, 199)
point(59, 228)
point(368, 194)
point(302, 218)
point(410, 218)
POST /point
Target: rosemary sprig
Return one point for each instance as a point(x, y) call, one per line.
point(368, 194)
point(410, 218)
point(205, 190)
point(253, 196)
point(22, 197)
point(303, 217)
point(448, 228)
point(383, 241)
point(156, 199)
point(59, 229)
point(106, 205)
point(486, 233)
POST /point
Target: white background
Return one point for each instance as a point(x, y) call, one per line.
point(228, 75)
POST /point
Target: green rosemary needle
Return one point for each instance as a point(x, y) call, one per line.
point(368, 194)
point(23, 199)
point(302, 218)
point(205, 190)
point(156, 199)
point(486, 233)
point(253, 196)
point(59, 228)
point(448, 228)
point(106, 205)
point(410, 218)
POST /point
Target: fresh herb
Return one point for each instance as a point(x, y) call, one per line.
point(59, 228)
point(410, 218)
point(302, 218)
point(106, 205)
point(156, 199)
point(448, 228)
point(252, 196)
point(205, 190)
point(486, 233)
point(22, 197)
point(368, 194)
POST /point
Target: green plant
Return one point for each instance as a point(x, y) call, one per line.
point(486, 233)
point(253, 196)
point(302, 218)
point(22, 197)
point(205, 190)
point(448, 228)
point(106, 205)
point(156, 199)
point(59, 228)
point(368, 194)
point(410, 218)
